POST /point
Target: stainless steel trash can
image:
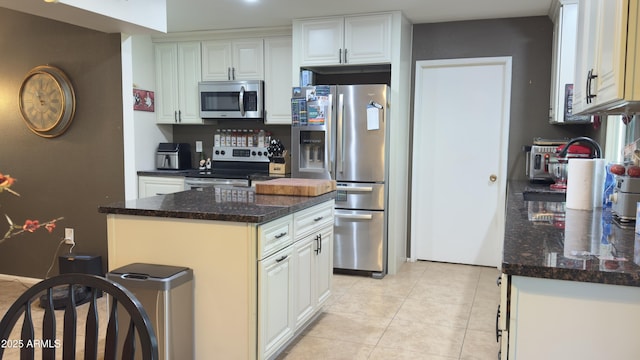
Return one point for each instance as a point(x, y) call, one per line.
point(166, 293)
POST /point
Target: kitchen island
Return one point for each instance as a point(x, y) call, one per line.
point(570, 283)
point(262, 264)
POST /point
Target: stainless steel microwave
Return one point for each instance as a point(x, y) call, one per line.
point(231, 99)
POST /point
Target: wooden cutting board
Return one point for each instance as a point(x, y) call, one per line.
point(295, 187)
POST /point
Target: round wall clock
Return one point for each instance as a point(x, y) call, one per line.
point(47, 101)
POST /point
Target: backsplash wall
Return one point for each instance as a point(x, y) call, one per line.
point(192, 133)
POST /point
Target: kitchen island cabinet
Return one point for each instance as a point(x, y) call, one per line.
point(570, 284)
point(239, 245)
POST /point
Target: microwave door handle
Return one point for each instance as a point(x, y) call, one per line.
point(241, 100)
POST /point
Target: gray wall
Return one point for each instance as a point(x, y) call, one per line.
point(68, 176)
point(529, 42)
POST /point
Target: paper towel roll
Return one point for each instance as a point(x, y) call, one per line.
point(599, 174)
point(580, 174)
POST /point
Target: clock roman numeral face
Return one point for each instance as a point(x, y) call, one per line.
point(47, 101)
point(42, 101)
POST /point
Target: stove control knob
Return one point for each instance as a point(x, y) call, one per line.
point(217, 152)
point(253, 153)
point(259, 153)
point(222, 152)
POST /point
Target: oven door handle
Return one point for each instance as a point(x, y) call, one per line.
point(201, 182)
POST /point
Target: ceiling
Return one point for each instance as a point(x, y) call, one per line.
point(202, 15)
point(193, 15)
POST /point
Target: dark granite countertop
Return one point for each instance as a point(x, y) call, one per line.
point(226, 203)
point(545, 240)
point(196, 173)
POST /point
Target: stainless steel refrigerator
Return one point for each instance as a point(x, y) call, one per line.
point(340, 132)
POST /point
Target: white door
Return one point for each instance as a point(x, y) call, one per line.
point(460, 138)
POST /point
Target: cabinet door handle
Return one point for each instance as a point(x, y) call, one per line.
point(498, 331)
point(345, 56)
point(179, 115)
point(320, 243)
point(590, 77)
point(282, 258)
point(229, 73)
point(340, 56)
point(499, 280)
point(175, 116)
point(317, 250)
point(318, 218)
point(233, 73)
point(280, 235)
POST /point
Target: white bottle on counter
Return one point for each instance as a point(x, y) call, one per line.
point(216, 138)
point(261, 139)
point(243, 138)
point(234, 137)
point(250, 138)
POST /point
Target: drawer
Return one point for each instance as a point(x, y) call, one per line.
point(312, 219)
point(274, 236)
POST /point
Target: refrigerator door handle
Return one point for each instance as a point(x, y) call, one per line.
point(340, 113)
point(329, 149)
point(355, 189)
point(354, 217)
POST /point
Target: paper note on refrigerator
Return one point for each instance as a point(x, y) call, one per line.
point(373, 117)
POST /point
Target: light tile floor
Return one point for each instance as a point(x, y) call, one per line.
point(429, 310)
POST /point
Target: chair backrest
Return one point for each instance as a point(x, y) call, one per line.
point(120, 297)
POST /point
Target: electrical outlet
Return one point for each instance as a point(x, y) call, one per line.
point(68, 236)
point(198, 146)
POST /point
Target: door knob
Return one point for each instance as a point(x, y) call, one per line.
point(493, 178)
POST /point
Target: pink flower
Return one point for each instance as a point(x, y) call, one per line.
point(6, 181)
point(31, 225)
point(50, 226)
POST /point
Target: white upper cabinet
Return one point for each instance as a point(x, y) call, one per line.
point(565, 19)
point(607, 56)
point(178, 71)
point(233, 59)
point(362, 39)
point(367, 39)
point(277, 80)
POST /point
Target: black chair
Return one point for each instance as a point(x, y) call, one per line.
point(120, 298)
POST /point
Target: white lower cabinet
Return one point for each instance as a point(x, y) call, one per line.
point(294, 274)
point(275, 301)
point(159, 185)
point(502, 321)
point(560, 319)
point(314, 265)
